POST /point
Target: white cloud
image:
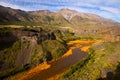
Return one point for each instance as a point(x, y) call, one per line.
point(13, 6)
point(111, 9)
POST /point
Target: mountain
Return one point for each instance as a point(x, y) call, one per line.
point(85, 19)
point(11, 15)
point(41, 12)
point(28, 39)
point(70, 14)
point(83, 24)
point(64, 17)
point(43, 17)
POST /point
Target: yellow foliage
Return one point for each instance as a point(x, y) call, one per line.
point(81, 42)
point(34, 71)
point(68, 53)
point(85, 48)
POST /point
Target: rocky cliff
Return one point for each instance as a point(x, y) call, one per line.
point(28, 47)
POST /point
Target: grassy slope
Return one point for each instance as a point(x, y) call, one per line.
point(102, 60)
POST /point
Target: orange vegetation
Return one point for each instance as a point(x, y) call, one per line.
point(68, 53)
point(77, 44)
point(85, 48)
point(34, 71)
point(81, 42)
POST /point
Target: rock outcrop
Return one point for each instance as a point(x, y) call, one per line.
point(29, 47)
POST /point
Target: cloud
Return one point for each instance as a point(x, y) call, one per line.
point(111, 9)
point(13, 6)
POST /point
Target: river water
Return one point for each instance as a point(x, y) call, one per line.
point(61, 65)
point(52, 70)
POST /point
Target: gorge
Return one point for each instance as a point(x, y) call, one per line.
point(62, 45)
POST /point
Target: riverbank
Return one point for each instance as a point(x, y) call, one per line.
point(54, 69)
point(34, 71)
point(102, 63)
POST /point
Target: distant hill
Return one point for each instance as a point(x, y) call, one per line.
point(10, 15)
point(43, 17)
point(64, 16)
point(29, 38)
point(84, 24)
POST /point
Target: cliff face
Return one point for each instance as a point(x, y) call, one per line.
point(31, 39)
point(28, 47)
point(21, 48)
point(7, 38)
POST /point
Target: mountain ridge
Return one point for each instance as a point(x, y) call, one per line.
point(46, 12)
point(83, 24)
point(43, 35)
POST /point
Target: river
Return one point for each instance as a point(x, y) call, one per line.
point(77, 51)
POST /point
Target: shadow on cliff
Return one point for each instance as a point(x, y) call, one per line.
point(112, 75)
point(7, 39)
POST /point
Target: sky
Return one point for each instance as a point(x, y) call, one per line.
point(105, 8)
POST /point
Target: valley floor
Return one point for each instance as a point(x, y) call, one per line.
point(50, 71)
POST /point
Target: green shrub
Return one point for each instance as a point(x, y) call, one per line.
point(54, 47)
point(79, 64)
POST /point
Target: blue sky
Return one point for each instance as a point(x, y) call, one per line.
point(106, 8)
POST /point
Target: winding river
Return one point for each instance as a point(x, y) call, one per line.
point(52, 70)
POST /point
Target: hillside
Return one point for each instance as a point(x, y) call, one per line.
point(102, 63)
point(30, 38)
point(11, 15)
point(83, 24)
point(23, 48)
point(19, 17)
point(45, 16)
